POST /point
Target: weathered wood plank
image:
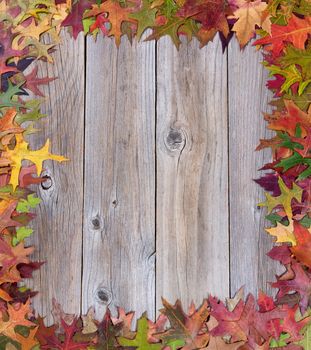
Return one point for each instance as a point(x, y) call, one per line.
point(58, 226)
point(192, 172)
point(119, 224)
point(248, 99)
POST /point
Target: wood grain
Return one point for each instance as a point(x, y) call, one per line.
point(248, 99)
point(119, 223)
point(58, 226)
point(192, 172)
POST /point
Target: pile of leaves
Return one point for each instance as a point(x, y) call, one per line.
point(30, 31)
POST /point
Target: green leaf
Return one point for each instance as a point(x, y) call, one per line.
point(306, 341)
point(24, 205)
point(140, 342)
point(292, 75)
point(300, 57)
point(21, 234)
point(277, 343)
point(284, 199)
point(305, 221)
point(7, 97)
point(176, 344)
point(275, 218)
point(293, 160)
point(145, 17)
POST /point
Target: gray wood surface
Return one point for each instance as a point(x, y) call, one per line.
point(192, 172)
point(58, 226)
point(248, 99)
point(158, 198)
point(119, 221)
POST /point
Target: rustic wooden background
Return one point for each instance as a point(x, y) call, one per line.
point(158, 198)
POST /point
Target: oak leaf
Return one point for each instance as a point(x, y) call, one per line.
point(283, 234)
point(284, 199)
point(21, 152)
point(185, 327)
point(115, 13)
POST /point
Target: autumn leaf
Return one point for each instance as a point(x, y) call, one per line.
point(185, 327)
point(296, 32)
point(16, 316)
point(21, 152)
point(248, 15)
point(283, 234)
point(115, 14)
point(32, 82)
point(8, 124)
point(211, 14)
point(302, 249)
point(74, 18)
point(284, 199)
point(140, 342)
point(300, 282)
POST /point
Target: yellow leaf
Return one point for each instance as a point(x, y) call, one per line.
point(283, 234)
point(284, 199)
point(21, 152)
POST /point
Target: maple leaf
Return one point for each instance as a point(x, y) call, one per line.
point(184, 327)
point(284, 199)
point(21, 152)
point(300, 282)
point(296, 32)
point(116, 15)
point(248, 15)
point(302, 249)
point(140, 342)
point(74, 18)
point(211, 14)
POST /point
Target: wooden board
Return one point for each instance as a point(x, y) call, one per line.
point(119, 222)
point(58, 227)
point(160, 200)
point(248, 99)
point(192, 172)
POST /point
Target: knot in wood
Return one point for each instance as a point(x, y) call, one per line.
point(175, 139)
point(47, 183)
point(96, 224)
point(103, 295)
